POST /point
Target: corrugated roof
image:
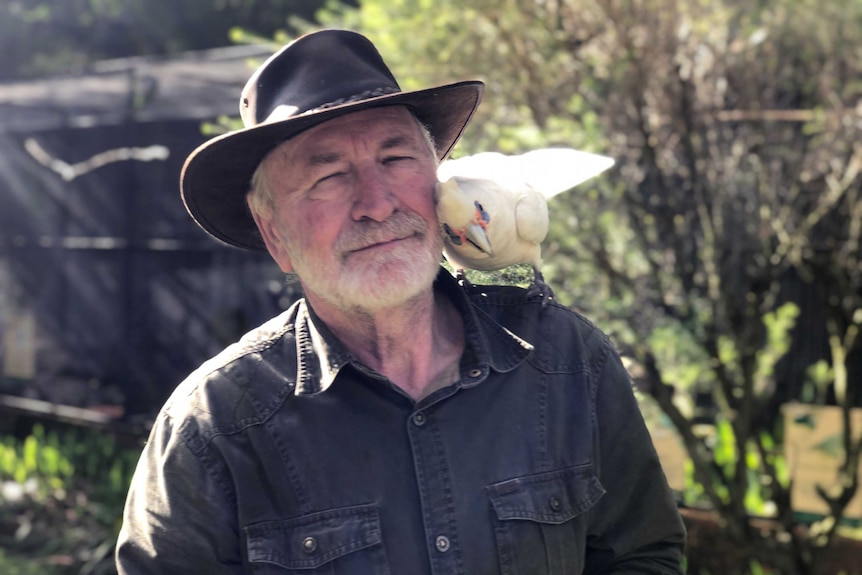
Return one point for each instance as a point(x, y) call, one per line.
point(195, 85)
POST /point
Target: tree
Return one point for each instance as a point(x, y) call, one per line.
point(736, 128)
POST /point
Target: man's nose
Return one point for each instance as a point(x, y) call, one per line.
point(373, 196)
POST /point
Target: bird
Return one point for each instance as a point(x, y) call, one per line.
point(492, 208)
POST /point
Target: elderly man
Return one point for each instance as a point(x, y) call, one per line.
point(393, 421)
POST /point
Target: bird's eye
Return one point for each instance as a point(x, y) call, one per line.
point(453, 237)
point(486, 217)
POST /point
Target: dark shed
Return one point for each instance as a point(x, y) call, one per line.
point(109, 293)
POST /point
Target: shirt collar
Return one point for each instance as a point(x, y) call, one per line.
point(320, 355)
point(489, 345)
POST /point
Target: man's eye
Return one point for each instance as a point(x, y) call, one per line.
point(331, 176)
point(394, 159)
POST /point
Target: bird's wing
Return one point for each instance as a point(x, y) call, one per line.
point(484, 165)
point(551, 171)
point(531, 217)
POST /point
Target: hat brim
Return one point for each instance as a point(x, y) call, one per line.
point(216, 176)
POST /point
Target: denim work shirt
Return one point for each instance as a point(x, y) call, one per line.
point(284, 454)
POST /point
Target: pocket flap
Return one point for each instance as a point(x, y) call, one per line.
point(552, 497)
point(309, 541)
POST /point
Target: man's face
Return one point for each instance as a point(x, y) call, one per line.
point(355, 218)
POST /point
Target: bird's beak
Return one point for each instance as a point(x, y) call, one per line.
point(477, 236)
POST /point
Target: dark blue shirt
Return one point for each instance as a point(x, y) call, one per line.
point(286, 455)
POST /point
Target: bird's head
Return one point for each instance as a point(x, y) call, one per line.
point(463, 219)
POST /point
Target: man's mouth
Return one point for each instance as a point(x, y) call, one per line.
point(378, 244)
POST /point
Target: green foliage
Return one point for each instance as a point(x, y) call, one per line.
point(519, 275)
point(64, 515)
point(78, 459)
point(221, 125)
point(778, 324)
point(759, 494)
point(12, 564)
point(684, 363)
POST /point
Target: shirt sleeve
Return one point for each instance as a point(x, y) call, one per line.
point(178, 516)
point(636, 527)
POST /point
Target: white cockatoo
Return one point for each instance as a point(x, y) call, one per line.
point(493, 208)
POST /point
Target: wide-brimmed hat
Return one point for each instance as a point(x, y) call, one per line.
point(315, 78)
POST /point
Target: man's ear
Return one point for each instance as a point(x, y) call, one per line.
point(272, 237)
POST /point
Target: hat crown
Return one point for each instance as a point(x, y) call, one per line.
point(315, 71)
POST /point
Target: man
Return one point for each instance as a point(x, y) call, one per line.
point(393, 421)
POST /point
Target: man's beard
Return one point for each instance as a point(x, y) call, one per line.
point(352, 279)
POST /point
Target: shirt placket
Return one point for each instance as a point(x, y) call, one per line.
point(433, 478)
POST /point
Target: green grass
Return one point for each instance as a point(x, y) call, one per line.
point(64, 499)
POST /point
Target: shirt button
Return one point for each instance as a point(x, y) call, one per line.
point(555, 504)
point(309, 545)
point(419, 419)
point(442, 544)
point(475, 372)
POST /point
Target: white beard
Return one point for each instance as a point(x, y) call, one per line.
point(376, 280)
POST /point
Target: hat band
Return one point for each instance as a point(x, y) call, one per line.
point(366, 95)
point(285, 112)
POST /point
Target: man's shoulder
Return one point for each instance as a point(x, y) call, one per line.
point(551, 327)
point(237, 387)
point(509, 301)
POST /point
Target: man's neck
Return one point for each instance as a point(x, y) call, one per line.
point(414, 344)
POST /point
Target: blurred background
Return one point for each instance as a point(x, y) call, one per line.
point(722, 251)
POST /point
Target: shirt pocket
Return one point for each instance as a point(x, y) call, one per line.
point(339, 541)
point(540, 525)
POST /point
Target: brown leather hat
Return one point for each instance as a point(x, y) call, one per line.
point(315, 78)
